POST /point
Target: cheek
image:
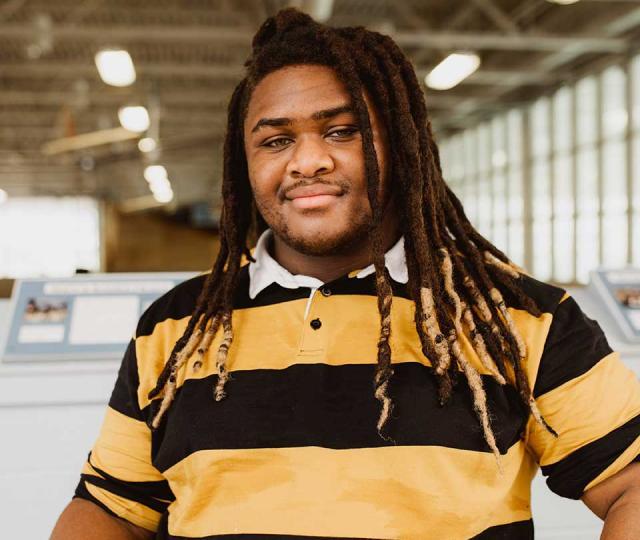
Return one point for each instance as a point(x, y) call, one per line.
point(264, 177)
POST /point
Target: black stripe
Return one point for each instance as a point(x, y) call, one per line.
point(177, 303)
point(83, 493)
point(125, 492)
point(331, 407)
point(146, 493)
point(124, 397)
point(546, 296)
point(569, 476)
point(575, 344)
point(520, 530)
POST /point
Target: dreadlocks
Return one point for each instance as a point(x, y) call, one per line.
point(455, 275)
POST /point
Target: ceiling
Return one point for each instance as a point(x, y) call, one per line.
point(189, 54)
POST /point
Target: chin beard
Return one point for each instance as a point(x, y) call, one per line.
point(322, 246)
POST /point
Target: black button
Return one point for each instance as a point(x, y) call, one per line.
point(326, 291)
point(315, 324)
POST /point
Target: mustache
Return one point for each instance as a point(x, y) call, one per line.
point(344, 186)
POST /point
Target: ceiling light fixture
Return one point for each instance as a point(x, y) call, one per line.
point(115, 67)
point(147, 144)
point(153, 172)
point(563, 2)
point(134, 118)
point(452, 70)
point(163, 196)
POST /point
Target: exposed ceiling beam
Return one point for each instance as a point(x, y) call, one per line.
point(232, 73)
point(242, 37)
point(499, 17)
point(195, 98)
point(83, 69)
point(522, 42)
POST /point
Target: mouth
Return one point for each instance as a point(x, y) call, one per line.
point(313, 196)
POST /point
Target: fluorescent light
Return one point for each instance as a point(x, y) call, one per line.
point(115, 67)
point(563, 2)
point(153, 172)
point(3, 196)
point(147, 144)
point(158, 185)
point(452, 70)
point(134, 118)
point(163, 196)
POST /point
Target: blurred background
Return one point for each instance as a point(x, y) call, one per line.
point(112, 117)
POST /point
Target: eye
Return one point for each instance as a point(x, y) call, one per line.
point(276, 143)
point(343, 132)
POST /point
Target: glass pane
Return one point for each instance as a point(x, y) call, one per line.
point(586, 91)
point(614, 111)
point(470, 200)
point(588, 239)
point(540, 128)
point(516, 242)
point(563, 216)
point(562, 120)
point(51, 237)
point(470, 141)
point(500, 210)
point(484, 144)
point(484, 206)
point(455, 166)
point(586, 246)
point(614, 204)
point(514, 137)
point(541, 220)
point(636, 201)
point(515, 208)
point(498, 148)
point(635, 89)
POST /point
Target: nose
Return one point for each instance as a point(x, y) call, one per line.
point(310, 158)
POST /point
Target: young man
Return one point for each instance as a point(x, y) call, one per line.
point(376, 368)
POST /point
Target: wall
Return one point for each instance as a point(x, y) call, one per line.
point(153, 242)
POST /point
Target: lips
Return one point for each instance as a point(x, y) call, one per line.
point(313, 190)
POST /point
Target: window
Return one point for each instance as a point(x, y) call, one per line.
point(582, 174)
point(50, 237)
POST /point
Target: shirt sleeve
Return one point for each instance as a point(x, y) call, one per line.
point(118, 475)
point(590, 398)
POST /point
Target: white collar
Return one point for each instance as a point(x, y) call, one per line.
point(266, 270)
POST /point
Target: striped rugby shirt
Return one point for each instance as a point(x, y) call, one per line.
point(293, 451)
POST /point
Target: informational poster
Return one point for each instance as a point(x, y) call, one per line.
point(85, 317)
point(620, 291)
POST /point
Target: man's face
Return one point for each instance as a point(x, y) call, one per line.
point(305, 159)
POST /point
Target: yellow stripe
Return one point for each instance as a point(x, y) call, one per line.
point(123, 449)
point(271, 337)
point(392, 492)
point(585, 409)
point(134, 512)
point(620, 463)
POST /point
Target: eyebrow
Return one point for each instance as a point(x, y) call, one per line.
point(319, 115)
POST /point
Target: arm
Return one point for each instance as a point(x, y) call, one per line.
point(617, 502)
point(83, 520)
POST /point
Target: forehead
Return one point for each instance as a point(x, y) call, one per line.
point(297, 91)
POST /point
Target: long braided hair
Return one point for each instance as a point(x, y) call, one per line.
point(454, 273)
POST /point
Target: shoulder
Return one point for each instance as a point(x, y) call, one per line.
point(177, 303)
point(545, 295)
point(180, 302)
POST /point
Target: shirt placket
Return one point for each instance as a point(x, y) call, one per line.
point(315, 327)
